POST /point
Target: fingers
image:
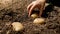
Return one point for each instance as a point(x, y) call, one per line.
point(41, 9)
point(30, 11)
point(29, 6)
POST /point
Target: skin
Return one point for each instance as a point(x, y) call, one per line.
point(37, 3)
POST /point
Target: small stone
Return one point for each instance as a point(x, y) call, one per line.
point(17, 26)
point(39, 20)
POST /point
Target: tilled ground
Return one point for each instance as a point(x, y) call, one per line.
point(18, 13)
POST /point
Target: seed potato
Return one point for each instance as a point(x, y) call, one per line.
point(39, 20)
point(34, 15)
point(17, 26)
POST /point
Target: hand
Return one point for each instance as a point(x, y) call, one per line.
point(39, 4)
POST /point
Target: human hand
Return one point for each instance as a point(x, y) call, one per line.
point(36, 4)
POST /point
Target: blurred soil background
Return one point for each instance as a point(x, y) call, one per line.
point(15, 11)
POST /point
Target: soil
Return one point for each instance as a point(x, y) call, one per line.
point(17, 12)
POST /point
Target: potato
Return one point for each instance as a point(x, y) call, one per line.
point(39, 20)
point(17, 26)
point(34, 15)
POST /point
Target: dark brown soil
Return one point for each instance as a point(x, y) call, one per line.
point(18, 13)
